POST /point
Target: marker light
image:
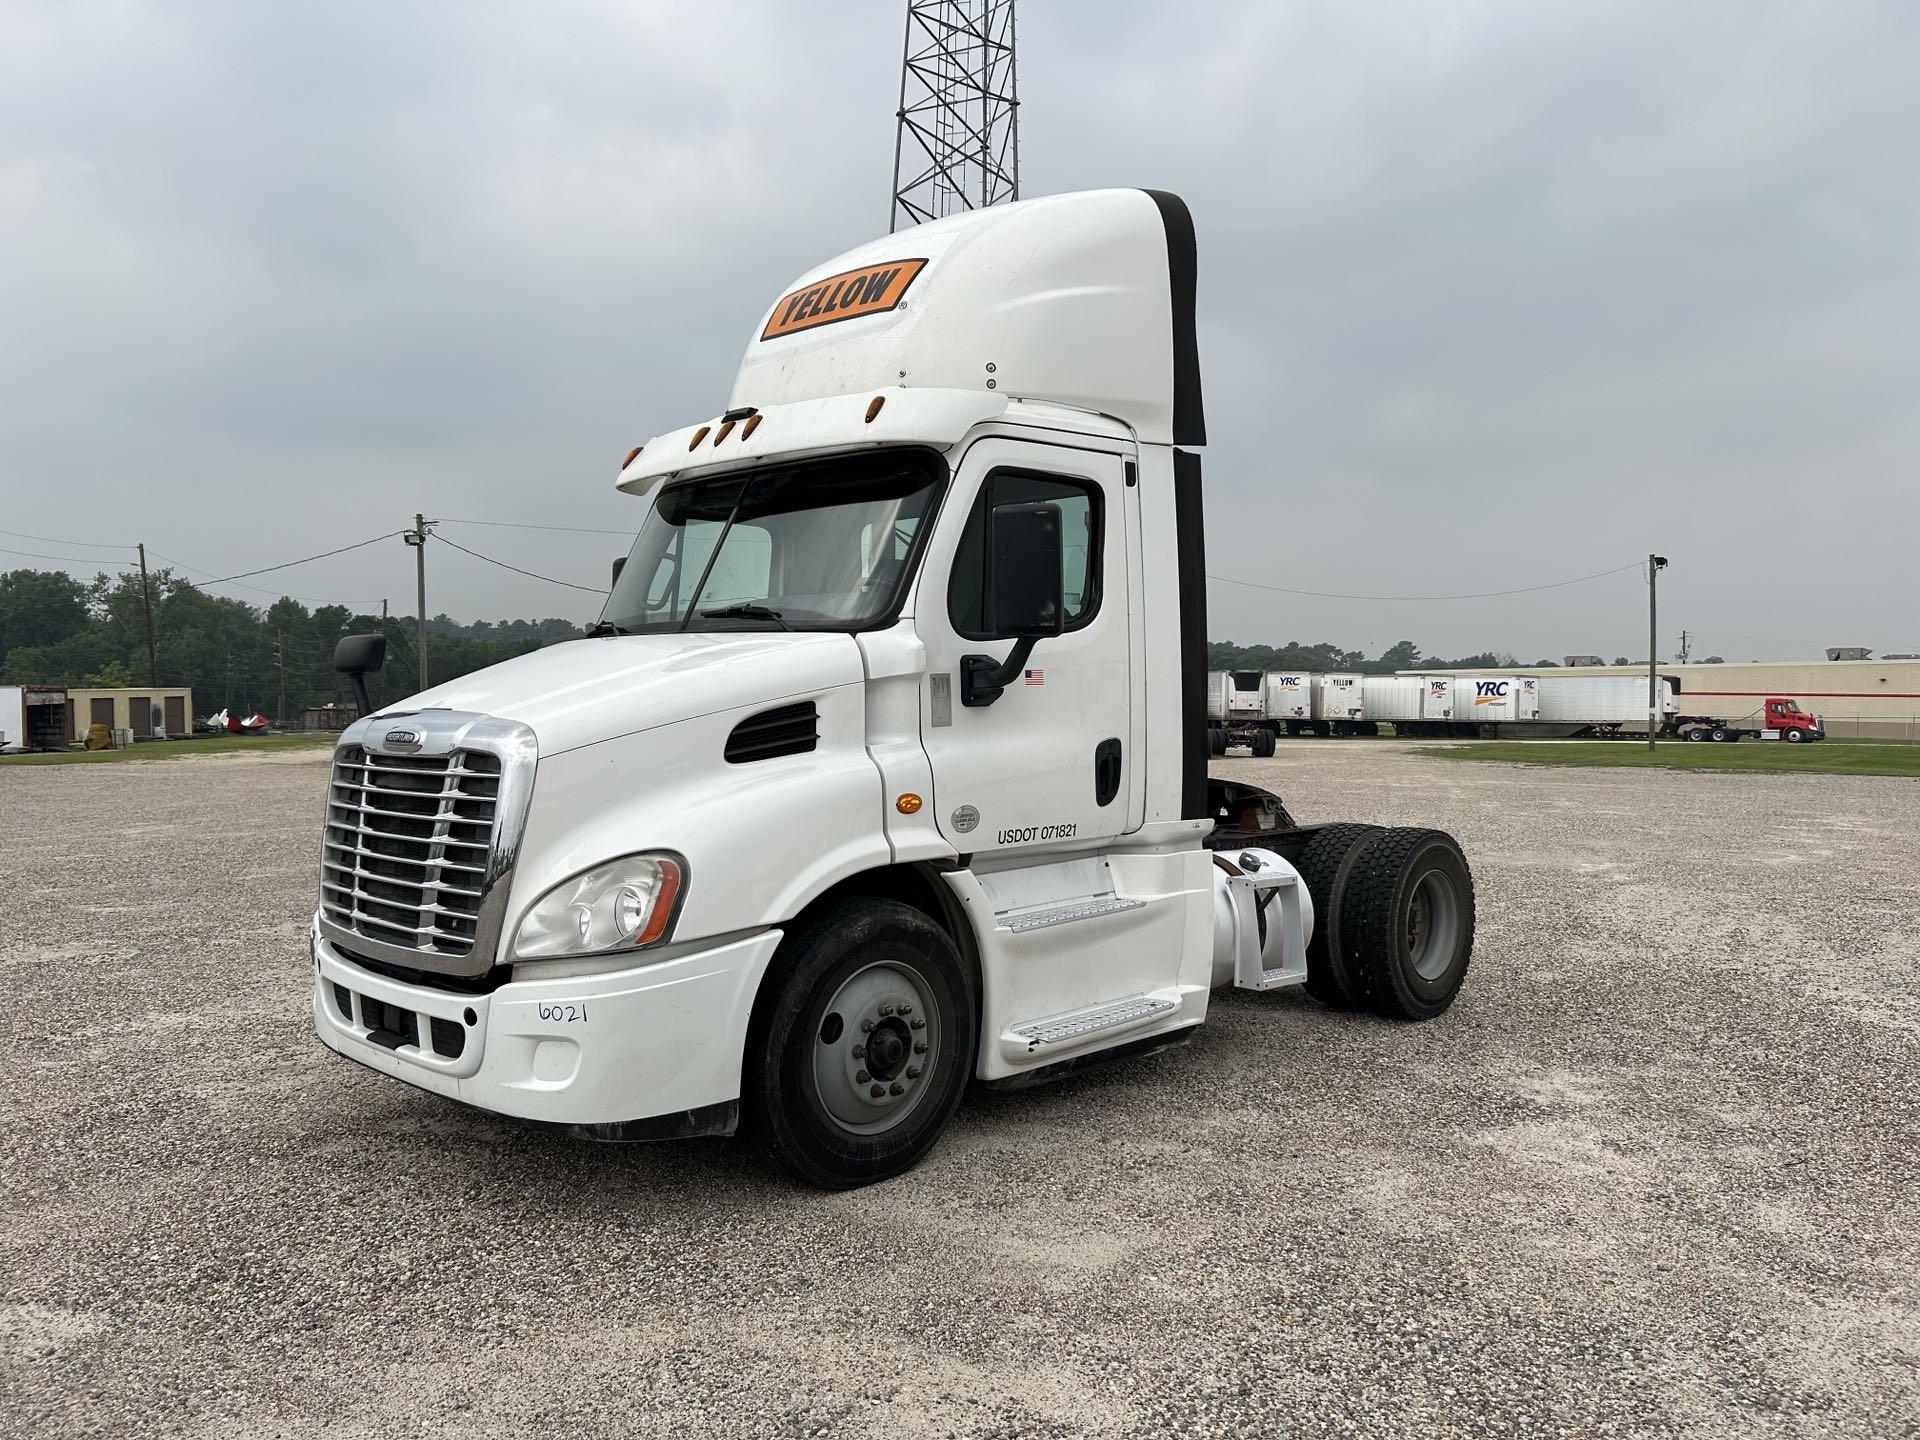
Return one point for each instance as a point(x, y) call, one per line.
point(726, 429)
point(907, 804)
point(753, 424)
point(625, 904)
point(698, 436)
point(630, 454)
point(873, 407)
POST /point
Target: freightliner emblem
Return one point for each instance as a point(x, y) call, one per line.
point(403, 739)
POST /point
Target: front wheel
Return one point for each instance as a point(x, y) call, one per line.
point(1795, 737)
point(860, 1057)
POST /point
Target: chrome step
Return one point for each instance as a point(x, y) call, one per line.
point(1083, 908)
point(1126, 1013)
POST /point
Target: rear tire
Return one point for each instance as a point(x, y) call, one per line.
point(1216, 741)
point(844, 978)
point(1719, 732)
point(1263, 746)
point(1325, 865)
point(1406, 922)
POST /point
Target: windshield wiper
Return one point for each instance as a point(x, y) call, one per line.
point(605, 627)
point(747, 610)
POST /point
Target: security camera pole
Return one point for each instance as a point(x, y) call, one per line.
point(417, 537)
point(1655, 563)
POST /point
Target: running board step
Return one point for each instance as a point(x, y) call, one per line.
point(1075, 1027)
point(1085, 907)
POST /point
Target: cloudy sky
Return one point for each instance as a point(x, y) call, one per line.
point(1492, 294)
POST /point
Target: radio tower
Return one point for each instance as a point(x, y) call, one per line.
point(958, 142)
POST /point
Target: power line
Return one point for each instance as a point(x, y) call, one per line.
point(67, 559)
point(49, 540)
point(288, 565)
point(516, 569)
point(257, 589)
point(1478, 595)
point(518, 525)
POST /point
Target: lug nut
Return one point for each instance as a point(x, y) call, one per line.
point(897, 1088)
point(862, 1076)
point(919, 1024)
point(867, 1024)
point(859, 1052)
point(877, 1091)
point(920, 1047)
point(886, 1007)
point(906, 1009)
point(913, 1072)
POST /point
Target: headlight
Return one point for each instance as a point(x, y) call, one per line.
point(622, 905)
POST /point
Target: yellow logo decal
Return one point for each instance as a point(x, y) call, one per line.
point(866, 291)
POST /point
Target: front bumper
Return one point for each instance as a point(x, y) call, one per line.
point(639, 1053)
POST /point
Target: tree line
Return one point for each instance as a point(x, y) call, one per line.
point(57, 630)
point(1324, 658)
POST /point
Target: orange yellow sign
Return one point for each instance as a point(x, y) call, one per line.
point(853, 293)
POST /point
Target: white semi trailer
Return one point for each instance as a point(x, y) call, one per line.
point(885, 767)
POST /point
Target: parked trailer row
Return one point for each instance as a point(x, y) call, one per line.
point(1252, 708)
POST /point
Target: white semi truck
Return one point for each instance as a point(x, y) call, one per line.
point(884, 769)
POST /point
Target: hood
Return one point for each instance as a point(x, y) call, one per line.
point(580, 692)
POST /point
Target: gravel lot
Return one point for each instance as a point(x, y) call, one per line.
point(1654, 1174)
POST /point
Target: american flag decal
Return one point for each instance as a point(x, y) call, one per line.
point(1035, 677)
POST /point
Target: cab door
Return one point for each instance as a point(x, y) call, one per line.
point(1051, 765)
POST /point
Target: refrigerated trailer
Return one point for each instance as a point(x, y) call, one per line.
point(884, 769)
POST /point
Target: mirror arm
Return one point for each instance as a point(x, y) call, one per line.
point(359, 680)
point(982, 677)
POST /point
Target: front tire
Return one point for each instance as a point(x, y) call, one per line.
point(1406, 922)
point(872, 997)
point(1795, 737)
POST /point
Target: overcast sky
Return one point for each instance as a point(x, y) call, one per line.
point(1491, 295)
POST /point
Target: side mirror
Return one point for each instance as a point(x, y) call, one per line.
point(1026, 589)
point(354, 656)
point(1025, 594)
point(619, 564)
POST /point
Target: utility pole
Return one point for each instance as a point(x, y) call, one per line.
point(146, 603)
point(1683, 647)
point(280, 660)
point(1655, 564)
point(417, 537)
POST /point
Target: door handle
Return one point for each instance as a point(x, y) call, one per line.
point(1106, 771)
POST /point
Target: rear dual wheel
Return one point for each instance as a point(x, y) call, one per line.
point(1393, 919)
point(1263, 745)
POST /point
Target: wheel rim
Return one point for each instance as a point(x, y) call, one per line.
point(1433, 925)
point(875, 1048)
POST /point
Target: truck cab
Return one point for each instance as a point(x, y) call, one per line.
point(884, 769)
point(1783, 717)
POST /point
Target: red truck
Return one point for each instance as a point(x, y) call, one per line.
point(1781, 719)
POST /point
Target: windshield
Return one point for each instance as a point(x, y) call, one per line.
point(821, 546)
point(1790, 705)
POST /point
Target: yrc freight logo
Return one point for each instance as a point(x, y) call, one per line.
point(1490, 692)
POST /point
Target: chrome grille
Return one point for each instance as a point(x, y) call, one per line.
point(409, 846)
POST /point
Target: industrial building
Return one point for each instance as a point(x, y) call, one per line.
point(1857, 699)
point(151, 712)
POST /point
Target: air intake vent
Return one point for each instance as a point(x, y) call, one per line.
point(790, 730)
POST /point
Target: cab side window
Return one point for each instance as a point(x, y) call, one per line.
point(1081, 538)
